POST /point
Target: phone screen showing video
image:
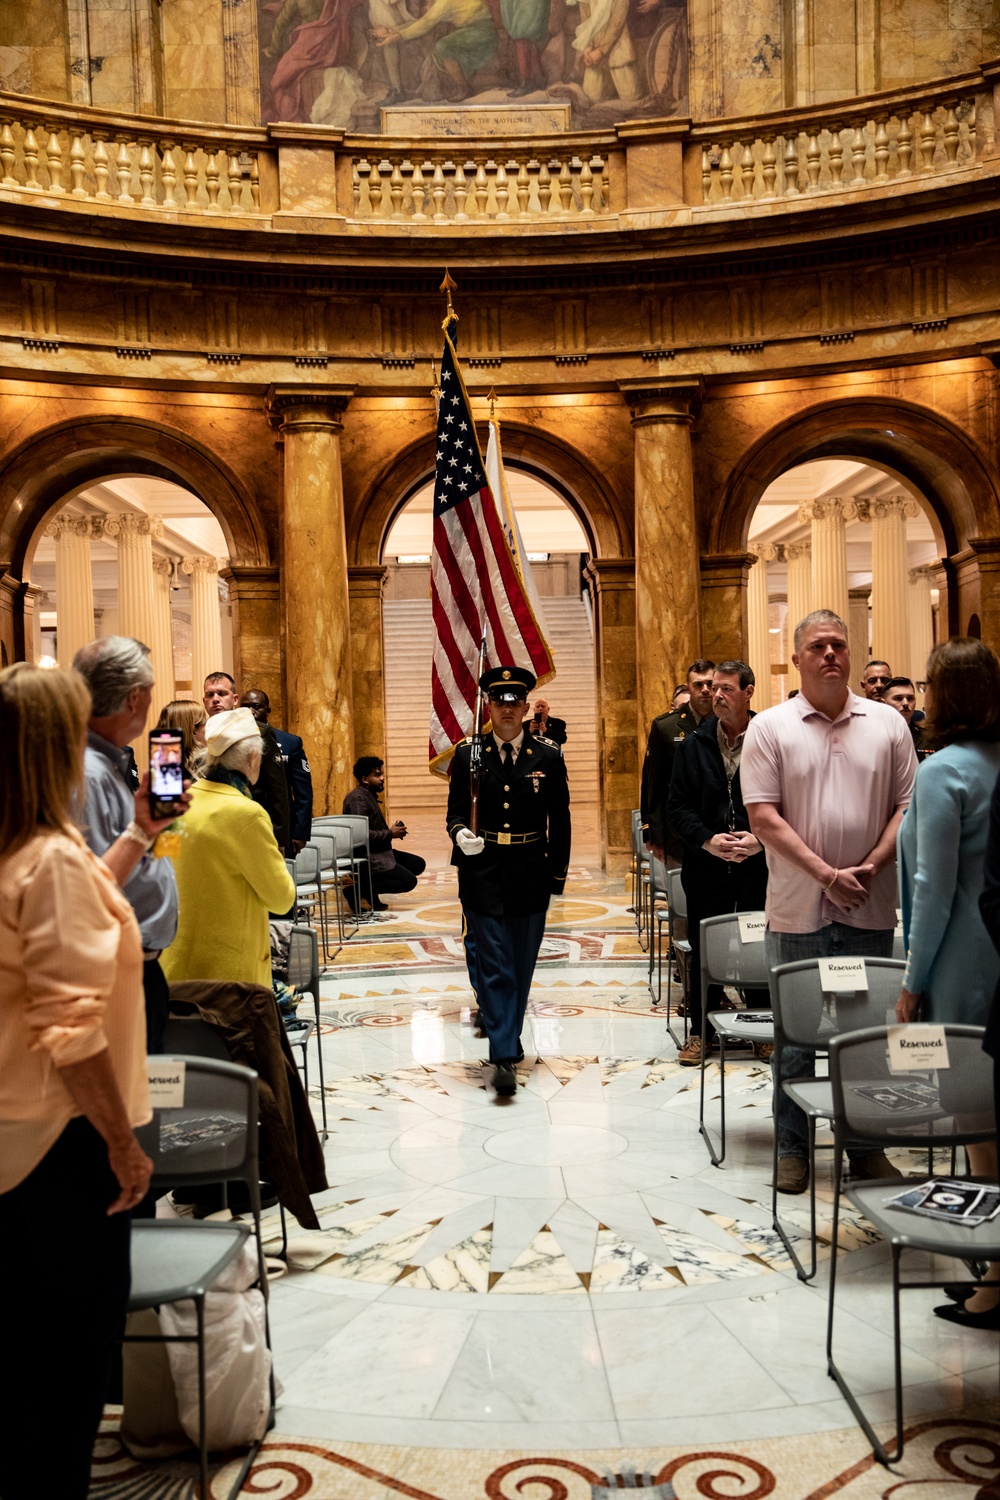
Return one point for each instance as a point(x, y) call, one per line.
point(166, 772)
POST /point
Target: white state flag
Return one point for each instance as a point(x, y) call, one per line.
point(497, 480)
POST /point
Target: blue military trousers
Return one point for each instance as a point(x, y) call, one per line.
point(501, 963)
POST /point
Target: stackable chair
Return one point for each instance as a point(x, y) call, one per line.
point(678, 948)
point(303, 973)
point(335, 863)
point(657, 916)
point(726, 959)
point(962, 1113)
point(360, 852)
point(176, 1260)
point(806, 1016)
point(304, 870)
point(640, 875)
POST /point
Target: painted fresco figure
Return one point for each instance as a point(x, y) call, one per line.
point(307, 35)
point(526, 22)
point(463, 50)
point(605, 44)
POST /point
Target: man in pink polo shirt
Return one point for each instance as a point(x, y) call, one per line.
point(826, 779)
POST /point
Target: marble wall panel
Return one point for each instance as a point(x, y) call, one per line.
point(34, 51)
point(194, 74)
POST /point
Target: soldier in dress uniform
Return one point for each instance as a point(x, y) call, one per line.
point(508, 871)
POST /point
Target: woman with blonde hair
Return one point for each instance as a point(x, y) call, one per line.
point(190, 718)
point(952, 967)
point(73, 1071)
point(228, 863)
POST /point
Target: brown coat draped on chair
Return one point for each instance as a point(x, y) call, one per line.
point(246, 1018)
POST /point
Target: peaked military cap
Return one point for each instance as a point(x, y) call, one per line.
point(507, 684)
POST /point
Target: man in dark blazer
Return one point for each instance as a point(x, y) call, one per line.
point(666, 732)
point(390, 871)
point(723, 868)
point(519, 858)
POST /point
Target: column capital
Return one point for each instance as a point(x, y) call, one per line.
point(612, 572)
point(828, 508)
point(307, 408)
point(68, 525)
point(367, 582)
point(199, 564)
point(858, 595)
point(895, 505)
point(127, 523)
point(763, 551)
point(798, 551)
point(720, 568)
point(667, 401)
point(162, 566)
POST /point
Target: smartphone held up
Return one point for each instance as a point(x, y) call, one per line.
point(166, 772)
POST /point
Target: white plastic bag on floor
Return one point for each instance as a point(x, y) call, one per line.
point(237, 1359)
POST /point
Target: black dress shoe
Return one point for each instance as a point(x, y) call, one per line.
point(959, 1291)
point(953, 1313)
point(505, 1078)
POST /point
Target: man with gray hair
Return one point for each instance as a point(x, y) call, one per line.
point(826, 777)
point(118, 672)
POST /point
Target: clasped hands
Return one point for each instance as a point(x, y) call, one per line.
point(732, 847)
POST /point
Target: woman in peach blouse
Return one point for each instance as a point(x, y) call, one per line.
point(72, 1087)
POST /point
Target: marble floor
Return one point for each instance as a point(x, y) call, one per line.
point(565, 1271)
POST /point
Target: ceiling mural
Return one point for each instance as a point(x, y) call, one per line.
point(413, 67)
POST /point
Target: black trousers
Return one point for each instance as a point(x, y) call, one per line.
point(402, 877)
point(64, 1265)
point(157, 994)
point(716, 898)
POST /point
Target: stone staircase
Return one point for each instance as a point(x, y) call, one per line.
point(409, 639)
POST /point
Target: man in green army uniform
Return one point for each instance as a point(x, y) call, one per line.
point(668, 730)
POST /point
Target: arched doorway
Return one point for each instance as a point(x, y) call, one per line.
point(844, 533)
point(558, 548)
point(135, 555)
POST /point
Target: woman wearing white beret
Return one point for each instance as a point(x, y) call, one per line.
point(230, 871)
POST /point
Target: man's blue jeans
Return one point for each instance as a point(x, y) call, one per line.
point(835, 941)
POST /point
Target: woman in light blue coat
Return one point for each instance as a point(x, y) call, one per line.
point(952, 967)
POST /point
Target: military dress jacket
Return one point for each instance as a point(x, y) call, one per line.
point(529, 806)
point(666, 732)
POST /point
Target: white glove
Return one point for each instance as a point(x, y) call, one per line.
point(470, 843)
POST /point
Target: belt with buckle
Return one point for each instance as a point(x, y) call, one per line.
point(510, 838)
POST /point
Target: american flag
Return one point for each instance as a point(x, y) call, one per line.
point(474, 580)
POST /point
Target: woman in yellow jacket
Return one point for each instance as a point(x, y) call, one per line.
point(230, 871)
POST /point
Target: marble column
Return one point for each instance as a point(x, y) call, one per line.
point(318, 668)
point(724, 605)
point(133, 536)
point(798, 556)
point(612, 586)
point(827, 519)
point(254, 598)
point(921, 620)
point(891, 580)
point(667, 614)
point(759, 648)
point(74, 585)
point(206, 624)
point(162, 637)
point(366, 586)
point(857, 631)
point(34, 603)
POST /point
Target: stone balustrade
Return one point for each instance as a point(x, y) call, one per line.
point(543, 182)
point(893, 138)
point(642, 172)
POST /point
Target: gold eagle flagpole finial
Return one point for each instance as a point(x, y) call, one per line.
point(448, 286)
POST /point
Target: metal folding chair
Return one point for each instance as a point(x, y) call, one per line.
point(334, 845)
point(678, 949)
point(957, 1110)
point(211, 1138)
point(727, 959)
point(640, 876)
point(807, 1016)
point(309, 900)
point(303, 973)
